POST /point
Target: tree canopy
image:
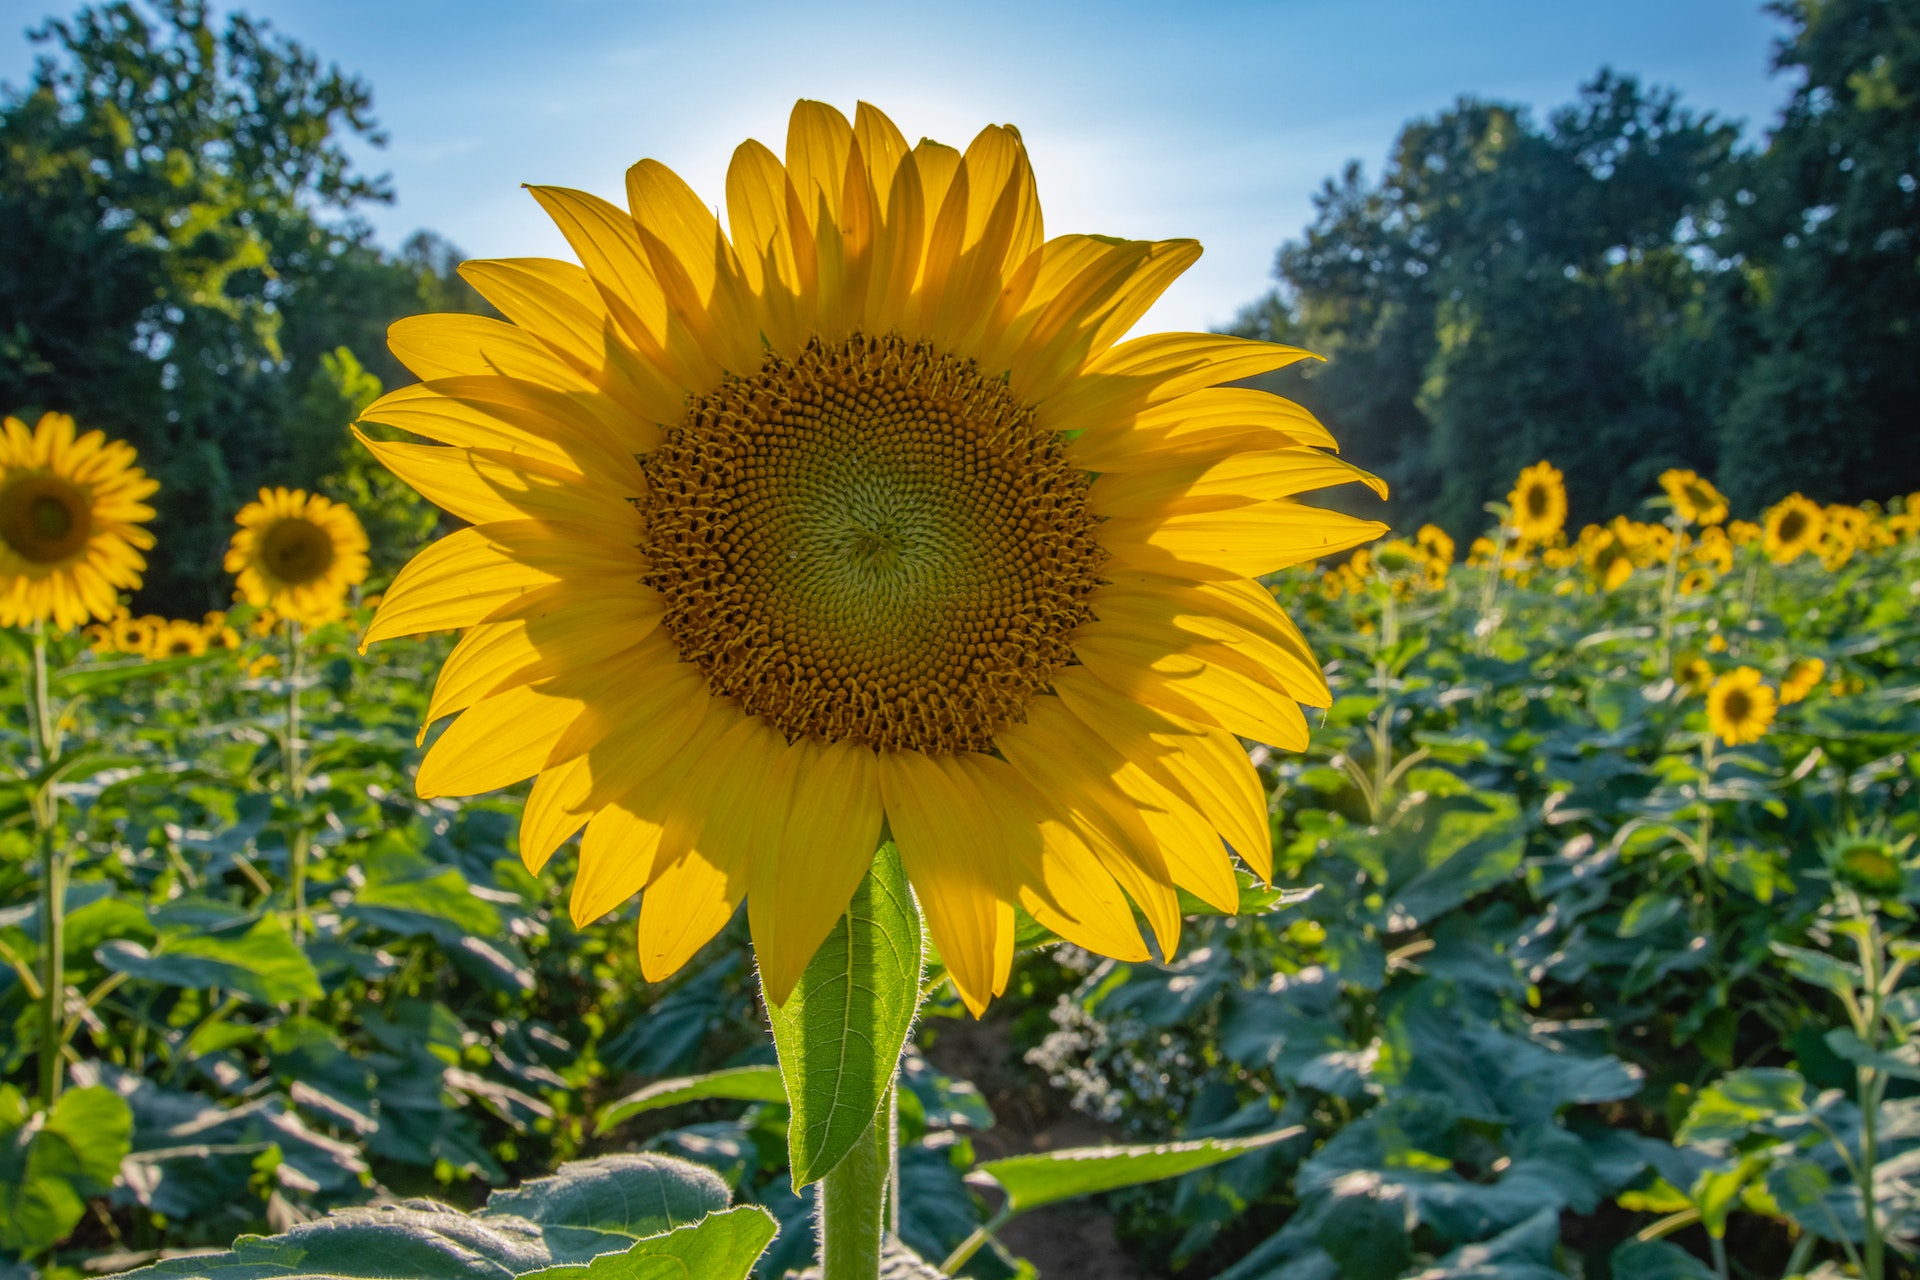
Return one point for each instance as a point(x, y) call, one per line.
point(1625, 288)
point(183, 266)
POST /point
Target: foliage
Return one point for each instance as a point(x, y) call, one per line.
point(181, 262)
point(1624, 289)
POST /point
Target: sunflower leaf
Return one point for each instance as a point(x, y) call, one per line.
point(1034, 1180)
point(721, 1246)
point(841, 1032)
point(743, 1084)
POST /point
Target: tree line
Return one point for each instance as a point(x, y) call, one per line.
point(1625, 287)
point(1628, 286)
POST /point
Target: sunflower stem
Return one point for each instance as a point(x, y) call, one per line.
point(853, 1203)
point(297, 838)
point(1665, 663)
point(53, 883)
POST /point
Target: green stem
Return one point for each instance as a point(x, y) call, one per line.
point(975, 1242)
point(298, 840)
point(1666, 596)
point(1489, 590)
point(53, 885)
point(1871, 1086)
point(853, 1206)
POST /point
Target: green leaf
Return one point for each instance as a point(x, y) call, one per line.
point(1256, 899)
point(841, 1032)
point(721, 1246)
point(1728, 1110)
point(1657, 1260)
point(51, 1163)
point(631, 1195)
point(409, 894)
point(745, 1084)
point(96, 676)
point(1820, 969)
point(1901, 1060)
point(263, 963)
point(1034, 1180)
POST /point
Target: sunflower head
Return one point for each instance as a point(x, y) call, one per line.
point(1694, 499)
point(1791, 527)
point(297, 554)
point(848, 510)
point(71, 511)
point(1539, 503)
point(1740, 707)
point(1802, 678)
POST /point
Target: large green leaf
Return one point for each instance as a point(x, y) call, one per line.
point(744, 1084)
point(721, 1246)
point(584, 1212)
point(49, 1169)
point(841, 1032)
point(407, 893)
point(1034, 1180)
point(263, 963)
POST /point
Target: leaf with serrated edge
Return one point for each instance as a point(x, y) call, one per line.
point(740, 1084)
point(721, 1246)
point(1034, 1180)
point(841, 1032)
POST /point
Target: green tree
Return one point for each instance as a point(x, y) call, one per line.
point(181, 254)
point(1498, 297)
point(1815, 310)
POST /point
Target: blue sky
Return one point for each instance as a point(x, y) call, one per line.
point(1211, 120)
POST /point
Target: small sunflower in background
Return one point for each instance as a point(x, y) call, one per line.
point(1802, 678)
point(298, 554)
point(1743, 532)
point(1695, 675)
point(1740, 707)
point(71, 510)
point(1791, 527)
point(848, 506)
point(1539, 503)
point(1694, 499)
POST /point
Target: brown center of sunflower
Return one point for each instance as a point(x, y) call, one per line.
point(296, 551)
point(45, 519)
point(872, 541)
point(1793, 525)
point(1737, 706)
point(1537, 501)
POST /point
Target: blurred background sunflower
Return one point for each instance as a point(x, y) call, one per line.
point(297, 554)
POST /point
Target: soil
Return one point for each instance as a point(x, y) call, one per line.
point(1073, 1241)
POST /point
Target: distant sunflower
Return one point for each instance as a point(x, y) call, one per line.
point(1694, 499)
point(1539, 503)
point(1802, 678)
point(787, 530)
point(1791, 527)
point(71, 508)
point(297, 554)
point(1740, 707)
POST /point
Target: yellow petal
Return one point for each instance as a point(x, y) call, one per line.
point(1239, 480)
point(1060, 881)
point(1204, 766)
point(949, 866)
point(1187, 685)
point(1182, 625)
point(479, 485)
point(1152, 370)
point(578, 432)
point(1209, 423)
point(1086, 314)
point(618, 853)
point(1250, 610)
point(817, 861)
point(450, 344)
point(1247, 543)
point(578, 629)
point(461, 579)
point(558, 303)
point(1073, 772)
point(695, 265)
point(707, 847)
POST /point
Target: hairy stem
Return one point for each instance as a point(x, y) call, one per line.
point(853, 1206)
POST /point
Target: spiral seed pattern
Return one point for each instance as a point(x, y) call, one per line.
point(872, 541)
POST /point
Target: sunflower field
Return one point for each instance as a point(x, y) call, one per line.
point(1584, 955)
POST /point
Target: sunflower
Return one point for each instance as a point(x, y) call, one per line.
point(1694, 674)
point(1539, 503)
point(178, 638)
point(298, 554)
point(70, 515)
point(1694, 500)
point(1743, 532)
point(1802, 678)
point(1608, 558)
point(1791, 526)
point(853, 514)
point(1740, 707)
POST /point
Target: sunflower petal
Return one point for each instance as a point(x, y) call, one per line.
point(932, 824)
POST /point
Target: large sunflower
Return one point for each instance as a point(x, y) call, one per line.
point(1539, 503)
point(297, 554)
point(855, 515)
point(71, 508)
